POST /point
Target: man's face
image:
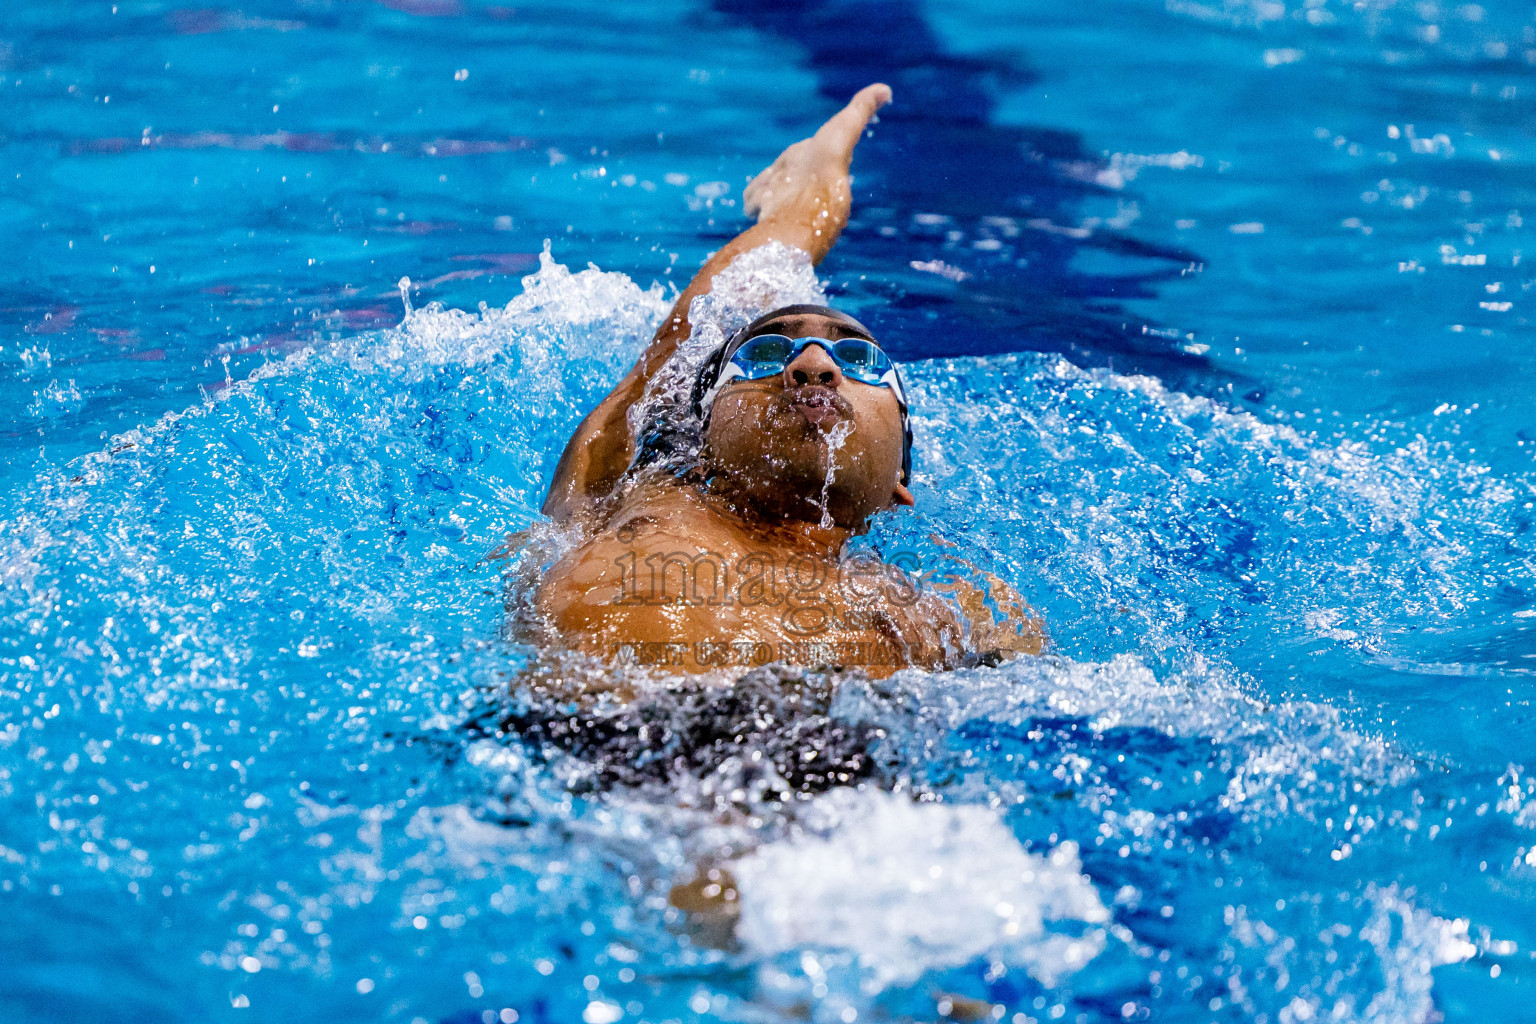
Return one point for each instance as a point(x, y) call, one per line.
point(777, 441)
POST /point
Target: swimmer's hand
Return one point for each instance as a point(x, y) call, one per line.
point(814, 171)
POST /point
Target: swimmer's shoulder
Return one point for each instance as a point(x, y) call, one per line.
point(655, 517)
point(664, 509)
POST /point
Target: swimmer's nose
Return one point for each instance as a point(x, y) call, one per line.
point(813, 366)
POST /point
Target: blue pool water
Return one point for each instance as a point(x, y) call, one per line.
point(1217, 314)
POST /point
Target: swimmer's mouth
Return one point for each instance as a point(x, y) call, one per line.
point(821, 406)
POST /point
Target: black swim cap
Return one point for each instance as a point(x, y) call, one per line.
point(801, 309)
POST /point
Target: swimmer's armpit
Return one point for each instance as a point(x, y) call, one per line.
point(1018, 631)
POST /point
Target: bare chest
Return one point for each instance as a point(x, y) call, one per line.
point(685, 591)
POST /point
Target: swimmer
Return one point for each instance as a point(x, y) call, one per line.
point(740, 557)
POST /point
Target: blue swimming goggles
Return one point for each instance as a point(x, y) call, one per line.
point(766, 355)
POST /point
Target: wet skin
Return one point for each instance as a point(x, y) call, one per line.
point(752, 555)
point(743, 562)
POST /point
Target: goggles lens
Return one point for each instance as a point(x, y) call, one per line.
point(767, 354)
point(764, 356)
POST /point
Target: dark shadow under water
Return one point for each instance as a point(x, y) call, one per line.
point(771, 734)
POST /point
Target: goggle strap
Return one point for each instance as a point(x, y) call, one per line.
point(729, 373)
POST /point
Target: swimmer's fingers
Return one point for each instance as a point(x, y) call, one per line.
point(844, 129)
point(1024, 629)
point(956, 559)
point(1008, 638)
point(1008, 599)
point(820, 162)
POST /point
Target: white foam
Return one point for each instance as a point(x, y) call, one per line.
point(1158, 506)
point(913, 887)
point(755, 282)
point(1409, 942)
point(1291, 756)
point(554, 301)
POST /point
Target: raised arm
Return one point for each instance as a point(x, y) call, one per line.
point(801, 200)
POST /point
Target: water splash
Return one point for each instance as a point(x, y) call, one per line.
point(834, 440)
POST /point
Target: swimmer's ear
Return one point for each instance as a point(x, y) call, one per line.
point(903, 496)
